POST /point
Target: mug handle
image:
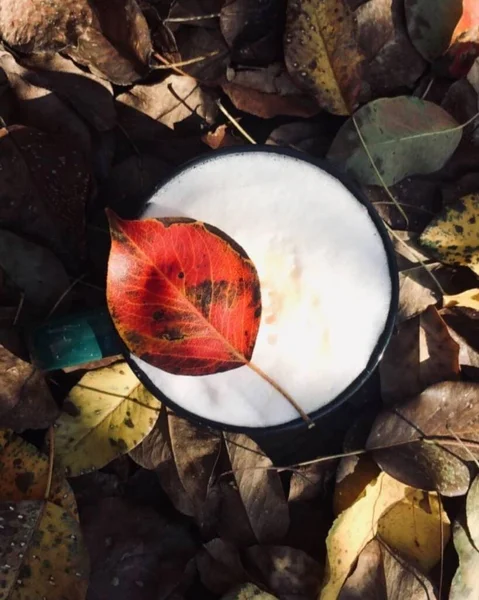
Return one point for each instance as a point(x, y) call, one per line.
point(74, 340)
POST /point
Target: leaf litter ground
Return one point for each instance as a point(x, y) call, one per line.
point(99, 102)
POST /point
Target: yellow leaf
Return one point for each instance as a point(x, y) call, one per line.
point(321, 52)
point(354, 528)
point(468, 299)
point(354, 473)
point(106, 414)
point(42, 554)
point(24, 474)
point(413, 528)
point(453, 236)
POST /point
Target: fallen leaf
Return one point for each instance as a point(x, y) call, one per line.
point(472, 516)
point(116, 42)
point(40, 107)
point(25, 400)
point(453, 235)
point(391, 61)
point(207, 343)
point(404, 135)
point(248, 591)
point(209, 45)
point(431, 25)
point(31, 27)
point(464, 47)
point(302, 135)
point(25, 472)
point(260, 489)
point(222, 137)
point(416, 442)
point(91, 96)
point(321, 52)
point(104, 416)
point(136, 552)
point(219, 566)
point(417, 527)
point(421, 353)
point(469, 299)
point(380, 573)
point(253, 30)
point(353, 475)
point(267, 93)
point(286, 572)
point(44, 187)
point(42, 552)
point(35, 270)
point(354, 528)
point(465, 585)
point(174, 100)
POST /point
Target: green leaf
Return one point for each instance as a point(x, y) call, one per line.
point(106, 414)
point(453, 236)
point(405, 136)
point(430, 25)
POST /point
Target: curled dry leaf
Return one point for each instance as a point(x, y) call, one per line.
point(174, 100)
point(404, 135)
point(391, 61)
point(44, 186)
point(25, 400)
point(260, 489)
point(220, 290)
point(465, 585)
point(25, 474)
point(431, 24)
point(381, 573)
point(417, 441)
point(267, 93)
point(421, 353)
point(453, 236)
point(321, 52)
point(104, 416)
point(34, 270)
point(42, 552)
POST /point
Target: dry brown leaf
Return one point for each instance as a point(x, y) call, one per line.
point(41, 108)
point(392, 62)
point(44, 186)
point(91, 96)
point(260, 489)
point(219, 566)
point(286, 572)
point(303, 135)
point(174, 100)
point(208, 44)
point(416, 442)
point(267, 93)
point(421, 353)
point(25, 400)
point(321, 52)
point(381, 574)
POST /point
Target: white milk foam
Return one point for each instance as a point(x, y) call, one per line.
point(324, 277)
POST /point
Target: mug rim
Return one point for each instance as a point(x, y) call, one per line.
point(382, 341)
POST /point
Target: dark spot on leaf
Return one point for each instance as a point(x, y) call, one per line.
point(472, 220)
point(171, 334)
point(128, 422)
point(24, 481)
point(158, 315)
point(459, 228)
point(181, 275)
point(257, 312)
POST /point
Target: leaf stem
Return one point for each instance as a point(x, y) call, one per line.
point(184, 63)
point(234, 122)
point(51, 456)
point(191, 19)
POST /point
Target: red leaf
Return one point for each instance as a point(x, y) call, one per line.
point(464, 47)
point(183, 295)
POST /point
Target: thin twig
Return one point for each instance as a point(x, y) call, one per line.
point(62, 297)
point(192, 19)
point(185, 63)
point(19, 308)
point(428, 88)
point(163, 60)
point(473, 458)
point(51, 456)
point(235, 123)
point(378, 174)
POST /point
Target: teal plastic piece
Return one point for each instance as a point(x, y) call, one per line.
point(74, 340)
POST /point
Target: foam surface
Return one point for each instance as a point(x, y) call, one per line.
point(324, 277)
